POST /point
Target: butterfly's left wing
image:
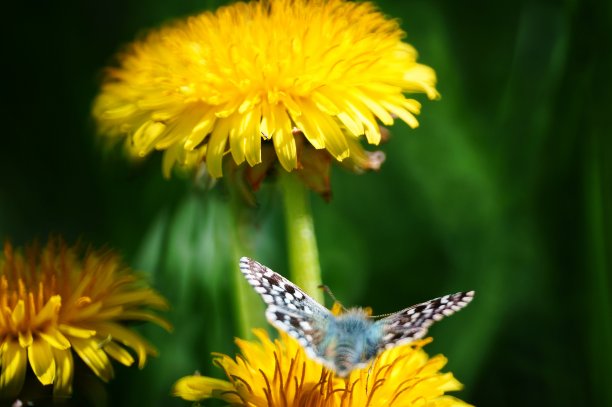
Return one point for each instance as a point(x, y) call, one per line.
point(289, 308)
point(412, 323)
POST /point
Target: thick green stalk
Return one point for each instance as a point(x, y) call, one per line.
point(248, 307)
point(304, 267)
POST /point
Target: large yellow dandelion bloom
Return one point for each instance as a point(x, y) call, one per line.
point(279, 374)
point(53, 301)
point(289, 75)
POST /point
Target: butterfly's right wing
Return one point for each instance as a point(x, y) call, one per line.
point(412, 323)
point(289, 308)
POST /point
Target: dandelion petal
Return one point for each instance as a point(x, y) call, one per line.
point(42, 361)
point(13, 368)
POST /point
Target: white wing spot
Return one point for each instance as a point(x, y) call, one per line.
point(305, 325)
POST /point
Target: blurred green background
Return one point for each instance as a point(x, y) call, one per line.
point(505, 188)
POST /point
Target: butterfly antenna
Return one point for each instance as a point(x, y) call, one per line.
point(329, 292)
point(381, 315)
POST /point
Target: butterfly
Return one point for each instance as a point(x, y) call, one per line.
point(350, 340)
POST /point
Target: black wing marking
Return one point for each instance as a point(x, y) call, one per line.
point(289, 308)
point(412, 323)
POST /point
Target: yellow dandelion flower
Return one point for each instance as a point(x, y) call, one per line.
point(53, 301)
point(288, 75)
point(278, 373)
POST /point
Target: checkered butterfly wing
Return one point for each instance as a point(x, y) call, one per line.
point(413, 322)
point(289, 308)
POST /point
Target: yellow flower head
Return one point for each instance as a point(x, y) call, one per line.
point(280, 374)
point(284, 75)
point(54, 301)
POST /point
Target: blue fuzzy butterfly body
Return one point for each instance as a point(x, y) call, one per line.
point(349, 340)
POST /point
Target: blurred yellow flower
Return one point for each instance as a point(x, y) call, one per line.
point(294, 75)
point(280, 374)
point(54, 301)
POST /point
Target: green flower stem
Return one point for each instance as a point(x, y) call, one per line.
point(304, 267)
point(248, 307)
